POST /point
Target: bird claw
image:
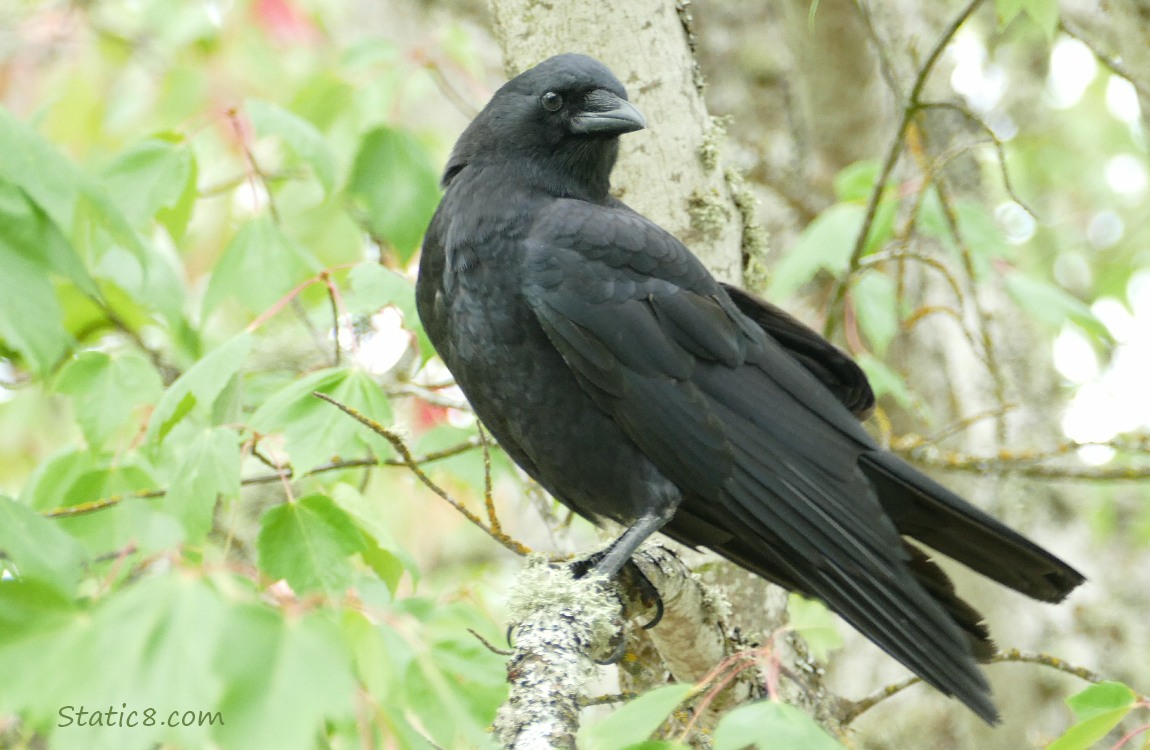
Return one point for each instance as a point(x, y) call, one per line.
point(631, 575)
point(617, 653)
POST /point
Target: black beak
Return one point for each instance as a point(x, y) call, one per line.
point(605, 113)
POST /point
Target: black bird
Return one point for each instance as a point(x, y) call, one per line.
point(633, 386)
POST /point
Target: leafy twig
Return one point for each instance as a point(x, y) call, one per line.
point(910, 109)
point(352, 463)
point(855, 709)
point(401, 447)
point(1000, 150)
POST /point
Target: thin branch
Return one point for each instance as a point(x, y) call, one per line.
point(855, 709)
point(1046, 660)
point(861, 706)
point(989, 352)
point(401, 447)
point(335, 302)
point(999, 148)
point(968, 422)
point(488, 499)
point(891, 160)
point(885, 64)
point(430, 394)
point(606, 700)
point(1027, 463)
point(353, 463)
point(465, 107)
point(231, 183)
point(489, 645)
point(1113, 64)
point(902, 254)
point(1131, 735)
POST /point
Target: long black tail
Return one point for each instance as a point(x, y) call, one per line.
point(925, 510)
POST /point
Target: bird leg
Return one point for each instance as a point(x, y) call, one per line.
point(619, 552)
point(615, 561)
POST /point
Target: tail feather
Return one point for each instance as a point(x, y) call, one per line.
point(925, 510)
point(941, 589)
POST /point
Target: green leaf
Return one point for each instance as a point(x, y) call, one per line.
point(1053, 305)
point(307, 543)
point(199, 387)
point(31, 321)
point(51, 479)
point(1044, 14)
point(1099, 708)
point(815, 623)
point(75, 203)
point(106, 482)
point(876, 307)
point(28, 231)
point(30, 606)
point(259, 251)
point(105, 389)
point(1007, 10)
point(35, 165)
point(982, 236)
point(150, 175)
point(855, 182)
point(768, 725)
point(133, 522)
point(382, 553)
point(395, 187)
point(374, 286)
point(283, 679)
point(884, 380)
point(31, 250)
point(1100, 699)
point(315, 431)
point(207, 468)
point(35, 549)
point(825, 244)
point(635, 721)
point(149, 644)
point(297, 134)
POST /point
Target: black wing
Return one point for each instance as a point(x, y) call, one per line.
point(767, 457)
point(821, 358)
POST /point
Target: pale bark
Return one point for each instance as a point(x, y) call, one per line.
point(557, 625)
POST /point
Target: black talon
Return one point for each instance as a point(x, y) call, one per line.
point(658, 614)
point(616, 655)
point(647, 593)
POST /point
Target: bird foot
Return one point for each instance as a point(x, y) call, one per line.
point(630, 576)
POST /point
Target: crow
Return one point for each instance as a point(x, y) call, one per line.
point(624, 378)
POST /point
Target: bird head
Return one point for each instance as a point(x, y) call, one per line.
point(557, 124)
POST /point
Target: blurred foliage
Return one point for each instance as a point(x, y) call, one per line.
point(195, 198)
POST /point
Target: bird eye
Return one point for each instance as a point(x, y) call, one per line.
point(551, 101)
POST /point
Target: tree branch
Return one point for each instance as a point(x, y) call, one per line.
point(912, 107)
point(558, 622)
point(405, 453)
point(287, 473)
